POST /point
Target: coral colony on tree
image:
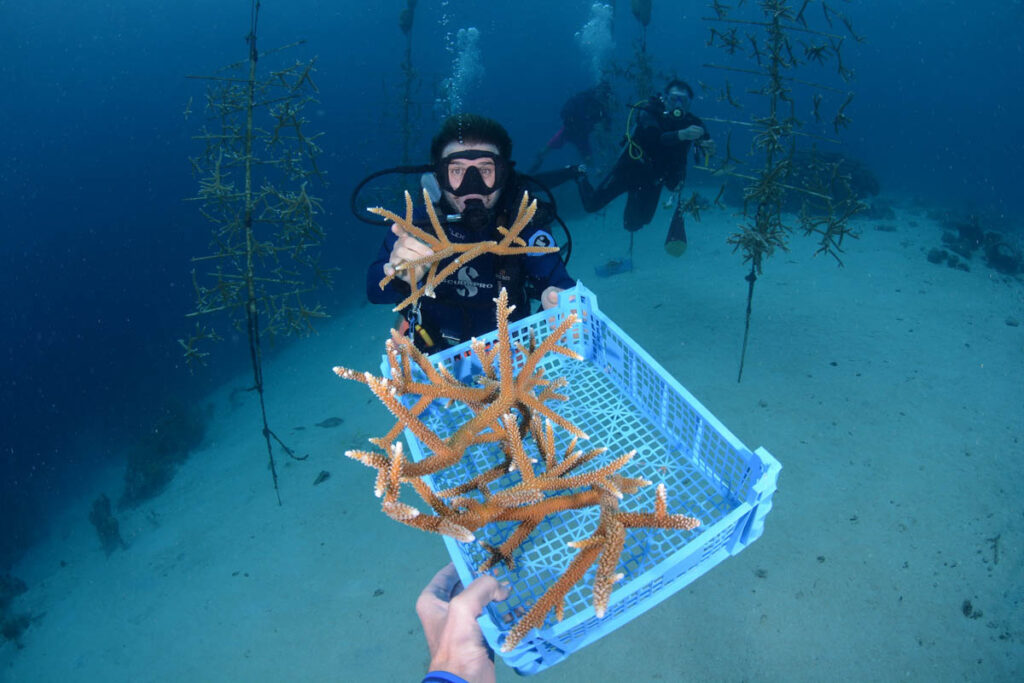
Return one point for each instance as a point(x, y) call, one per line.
point(641, 70)
point(254, 177)
point(405, 22)
point(777, 41)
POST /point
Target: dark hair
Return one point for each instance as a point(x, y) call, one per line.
point(681, 84)
point(470, 128)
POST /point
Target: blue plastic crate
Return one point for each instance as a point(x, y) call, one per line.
point(623, 399)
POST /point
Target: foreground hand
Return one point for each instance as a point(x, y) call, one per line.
point(549, 297)
point(448, 614)
point(691, 133)
point(406, 249)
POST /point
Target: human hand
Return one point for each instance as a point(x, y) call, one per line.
point(406, 249)
point(549, 297)
point(693, 132)
point(448, 615)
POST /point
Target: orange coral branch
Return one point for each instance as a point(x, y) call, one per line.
point(509, 245)
point(534, 618)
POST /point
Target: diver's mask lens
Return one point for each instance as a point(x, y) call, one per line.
point(471, 179)
point(472, 172)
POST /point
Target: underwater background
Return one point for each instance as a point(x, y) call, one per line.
point(97, 126)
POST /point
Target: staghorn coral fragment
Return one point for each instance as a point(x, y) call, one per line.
point(552, 599)
point(509, 245)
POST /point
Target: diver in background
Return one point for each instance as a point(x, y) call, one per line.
point(580, 115)
point(655, 156)
point(480, 191)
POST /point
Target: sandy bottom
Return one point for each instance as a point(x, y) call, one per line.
point(890, 390)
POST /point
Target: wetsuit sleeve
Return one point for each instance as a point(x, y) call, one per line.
point(545, 270)
point(651, 132)
point(671, 138)
point(443, 677)
point(396, 290)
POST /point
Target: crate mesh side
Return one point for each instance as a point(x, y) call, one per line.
point(670, 413)
point(635, 594)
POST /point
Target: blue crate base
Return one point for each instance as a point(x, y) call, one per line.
point(623, 400)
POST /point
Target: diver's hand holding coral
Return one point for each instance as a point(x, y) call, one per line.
point(690, 133)
point(448, 614)
point(407, 249)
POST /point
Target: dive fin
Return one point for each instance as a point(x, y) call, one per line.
point(675, 240)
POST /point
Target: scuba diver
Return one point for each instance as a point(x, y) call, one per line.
point(477, 190)
point(654, 156)
point(580, 115)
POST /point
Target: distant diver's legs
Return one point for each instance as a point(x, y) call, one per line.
point(552, 179)
point(614, 184)
point(641, 203)
point(557, 140)
point(537, 162)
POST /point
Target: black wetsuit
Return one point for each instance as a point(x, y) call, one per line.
point(662, 163)
point(464, 306)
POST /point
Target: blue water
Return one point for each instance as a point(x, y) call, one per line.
point(94, 149)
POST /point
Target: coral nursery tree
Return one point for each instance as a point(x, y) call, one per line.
point(771, 44)
point(641, 70)
point(406, 19)
point(254, 176)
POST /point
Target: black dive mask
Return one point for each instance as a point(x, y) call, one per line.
point(471, 181)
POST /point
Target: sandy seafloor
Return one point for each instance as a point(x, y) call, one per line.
point(890, 390)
